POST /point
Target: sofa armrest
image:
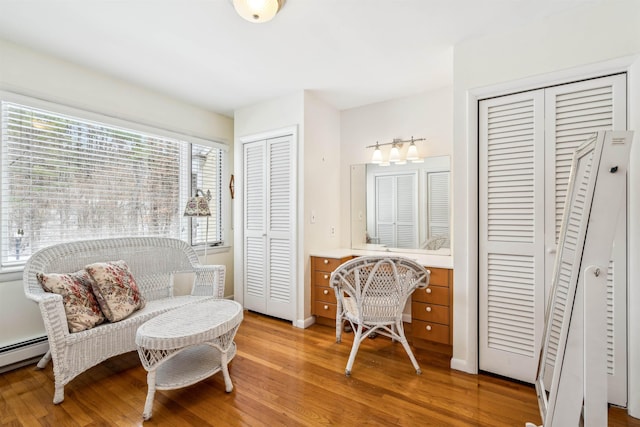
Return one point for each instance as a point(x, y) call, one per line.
point(209, 280)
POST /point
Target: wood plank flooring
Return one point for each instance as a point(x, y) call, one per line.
point(282, 376)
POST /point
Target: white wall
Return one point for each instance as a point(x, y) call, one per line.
point(426, 115)
point(322, 184)
point(264, 118)
point(24, 71)
point(593, 41)
point(318, 178)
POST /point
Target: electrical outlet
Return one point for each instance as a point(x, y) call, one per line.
point(332, 231)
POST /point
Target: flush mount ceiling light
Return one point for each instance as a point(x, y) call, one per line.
point(258, 10)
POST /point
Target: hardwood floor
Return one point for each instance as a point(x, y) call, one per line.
point(282, 376)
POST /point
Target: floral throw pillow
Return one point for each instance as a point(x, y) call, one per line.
point(80, 304)
point(115, 289)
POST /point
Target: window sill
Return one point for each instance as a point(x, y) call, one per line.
point(212, 250)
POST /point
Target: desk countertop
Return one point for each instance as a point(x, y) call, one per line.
point(433, 259)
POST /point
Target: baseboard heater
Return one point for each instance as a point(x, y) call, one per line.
point(14, 355)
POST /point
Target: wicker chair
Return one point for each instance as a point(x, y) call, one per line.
point(371, 292)
point(153, 262)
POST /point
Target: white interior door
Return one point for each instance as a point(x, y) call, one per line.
point(574, 112)
point(511, 200)
point(527, 141)
point(269, 262)
point(396, 208)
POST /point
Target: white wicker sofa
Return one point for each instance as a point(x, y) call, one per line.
point(153, 261)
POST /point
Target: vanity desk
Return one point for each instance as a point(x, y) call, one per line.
point(430, 312)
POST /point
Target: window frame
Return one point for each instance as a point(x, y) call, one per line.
point(12, 273)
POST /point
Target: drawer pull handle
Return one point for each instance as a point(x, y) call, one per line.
point(428, 328)
point(326, 276)
point(326, 291)
point(428, 290)
point(326, 261)
point(428, 309)
point(326, 307)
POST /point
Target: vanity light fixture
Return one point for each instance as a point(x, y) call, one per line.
point(412, 151)
point(377, 155)
point(258, 11)
point(394, 154)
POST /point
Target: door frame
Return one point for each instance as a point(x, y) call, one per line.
point(466, 244)
point(238, 215)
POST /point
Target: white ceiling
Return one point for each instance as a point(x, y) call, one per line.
point(349, 52)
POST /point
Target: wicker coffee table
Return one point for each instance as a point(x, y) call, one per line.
point(188, 344)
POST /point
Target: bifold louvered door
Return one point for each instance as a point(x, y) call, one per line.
point(511, 264)
point(269, 226)
point(397, 210)
point(573, 113)
point(438, 212)
point(522, 190)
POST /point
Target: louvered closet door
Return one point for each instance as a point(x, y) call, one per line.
point(511, 252)
point(281, 228)
point(255, 226)
point(269, 227)
point(396, 210)
point(573, 113)
point(438, 204)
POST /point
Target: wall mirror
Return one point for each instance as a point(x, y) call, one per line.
point(402, 207)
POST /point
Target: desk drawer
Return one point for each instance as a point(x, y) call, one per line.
point(430, 312)
point(324, 309)
point(321, 278)
point(432, 295)
point(439, 277)
point(325, 264)
point(324, 294)
point(430, 331)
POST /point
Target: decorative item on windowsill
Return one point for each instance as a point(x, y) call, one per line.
point(198, 206)
point(394, 154)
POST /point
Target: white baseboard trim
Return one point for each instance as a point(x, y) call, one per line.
point(304, 323)
point(10, 359)
point(461, 365)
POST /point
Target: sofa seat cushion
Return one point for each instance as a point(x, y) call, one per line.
point(80, 304)
point(115, 289)
point(151, 309)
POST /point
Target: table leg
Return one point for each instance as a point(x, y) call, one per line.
point(148, 405)
point(225, 371)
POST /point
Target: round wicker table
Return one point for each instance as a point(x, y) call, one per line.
point(186, 345)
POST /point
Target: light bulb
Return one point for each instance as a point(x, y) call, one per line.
point(377, 155)
point(257, 10)
point(412, 152)
point(394, 155)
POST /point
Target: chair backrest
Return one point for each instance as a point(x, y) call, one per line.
point(152, 261)
point(379, 285)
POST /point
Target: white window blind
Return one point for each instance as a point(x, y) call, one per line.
point(206, 175)
point(67, 178)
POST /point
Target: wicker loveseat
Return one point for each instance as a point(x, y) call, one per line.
point(152, 261)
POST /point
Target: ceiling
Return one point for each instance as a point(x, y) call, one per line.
point(349, 52)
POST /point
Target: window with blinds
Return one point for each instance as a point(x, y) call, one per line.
point(67, 178)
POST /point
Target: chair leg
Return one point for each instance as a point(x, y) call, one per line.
point(407, 348)
point(45, 359)
point(357, 338)
point(338, 329)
